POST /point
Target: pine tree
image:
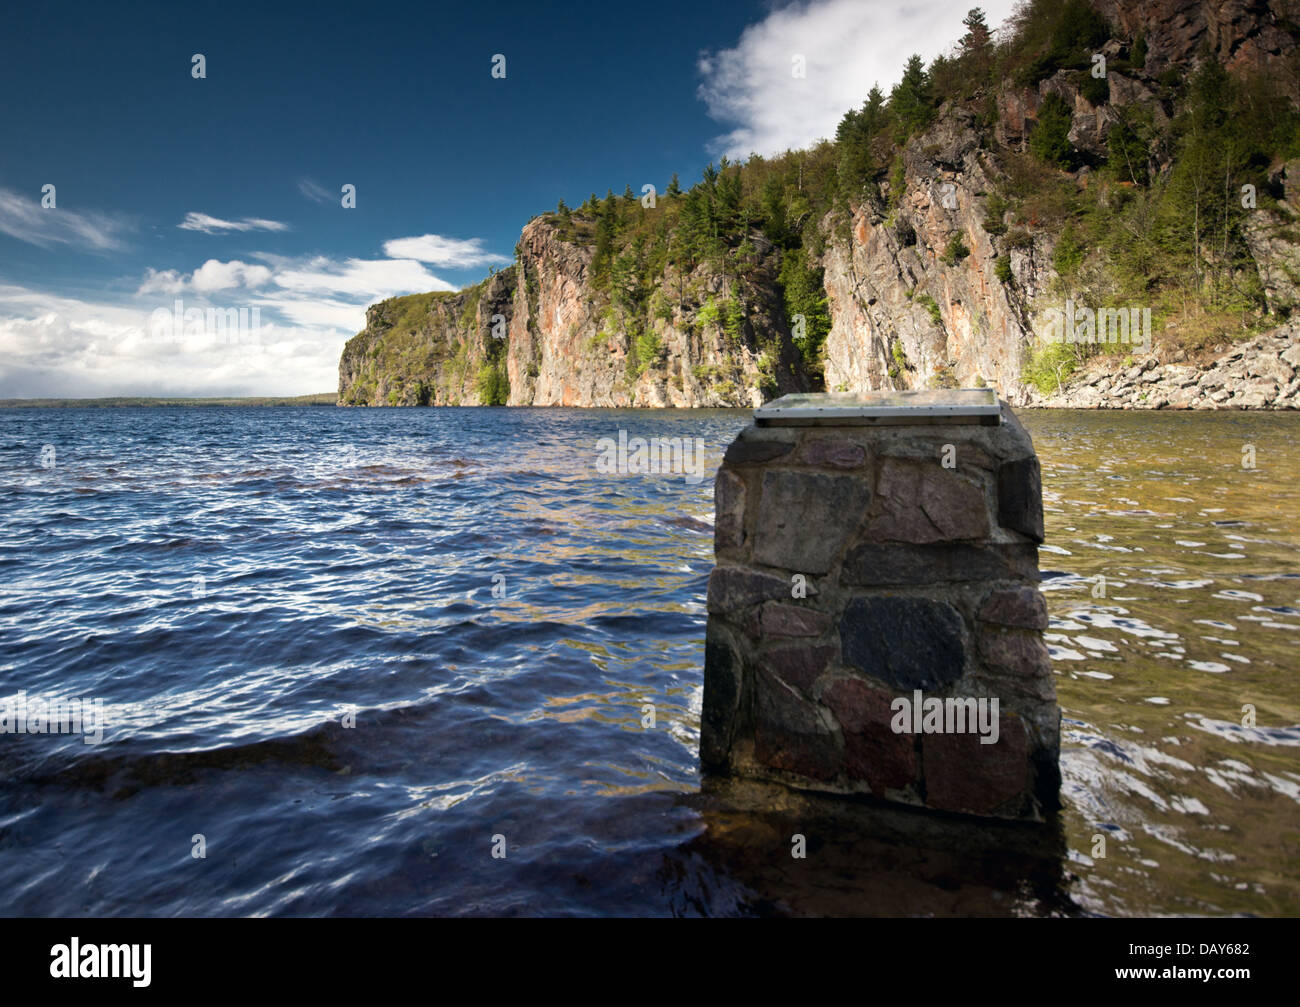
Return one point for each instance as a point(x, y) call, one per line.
point(729, 201)
point(1138, 56)
point(910, 100)
point(977, 36)
point(606, 230)
point(1050, 140)
point(674, 187)
point(853, 137)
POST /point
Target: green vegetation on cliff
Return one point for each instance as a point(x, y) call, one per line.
point(1150, 210)
point(1159, 221)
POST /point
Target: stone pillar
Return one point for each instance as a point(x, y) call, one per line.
point(859, 567)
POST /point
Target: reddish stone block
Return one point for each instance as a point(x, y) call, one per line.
point(924, 502)
point(792, 620)
point(1024, 607)
point(872, 751)
point(963, 774)
point(791, 733)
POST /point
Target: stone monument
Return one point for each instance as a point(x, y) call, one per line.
point(874, 621)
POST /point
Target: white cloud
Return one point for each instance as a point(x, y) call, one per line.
point(453, 253)
point(166, 281)
point(372, 278)
point(317, 312)
point(26, 220)
point(209, 277)
point(214, 275)
point(847, 45)
point(214, 225)
point(65, 347)
point(316, 193)
point(53, 346)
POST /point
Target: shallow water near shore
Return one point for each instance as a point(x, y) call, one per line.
point(234, 583)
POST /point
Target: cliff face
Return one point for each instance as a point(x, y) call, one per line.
point(423, 349)
point(569, 348)
point(900, 317)
point(936, 270)
point(1241, 34)
point(905, 313)
point(559, 342)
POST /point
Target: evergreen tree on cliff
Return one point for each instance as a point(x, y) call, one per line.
point(910, 100)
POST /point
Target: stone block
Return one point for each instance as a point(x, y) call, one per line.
point(1020, 497)
point(754, 452)
point(734, 588)
point(826, 452)
point(791, 733)
point(729, 511)
point(793, 620)
point(721, 701)
point(907, 643)
point(1024, 607)
point(805, 518)
point(798, 666)
point(1021, 654)
point(963, 774)
point(921, 501)
point(889, 565)
point(873, 753)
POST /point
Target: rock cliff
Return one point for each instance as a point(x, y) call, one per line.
point(937, 270)
point(558, 342)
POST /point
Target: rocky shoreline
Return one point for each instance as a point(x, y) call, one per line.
point(1262, 373)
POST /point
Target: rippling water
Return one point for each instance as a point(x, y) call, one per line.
point(236, 584)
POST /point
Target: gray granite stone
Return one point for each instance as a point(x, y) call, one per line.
point(907, 643)
point(805, 518)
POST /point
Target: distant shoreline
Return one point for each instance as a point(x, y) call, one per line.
point(1038, 404)
point(121, 401)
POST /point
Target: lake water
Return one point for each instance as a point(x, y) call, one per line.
point(233, 585)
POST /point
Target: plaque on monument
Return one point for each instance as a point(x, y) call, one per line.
point(883, 408)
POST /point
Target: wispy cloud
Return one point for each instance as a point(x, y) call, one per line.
point(847, 46)
point(316, 291)
point(215, 225)
point(366, 278)
point(451, 253)
point(26, 220)
point(316, 193)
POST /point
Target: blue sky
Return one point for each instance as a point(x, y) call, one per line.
point(225, 191)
